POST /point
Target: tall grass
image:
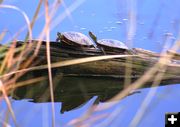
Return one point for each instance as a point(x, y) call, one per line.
point(10, 69)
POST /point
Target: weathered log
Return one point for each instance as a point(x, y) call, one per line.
point(75, 84)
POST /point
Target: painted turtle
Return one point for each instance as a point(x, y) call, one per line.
point(110, 45)
point(74, 39)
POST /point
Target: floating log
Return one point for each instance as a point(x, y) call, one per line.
point(76, 84)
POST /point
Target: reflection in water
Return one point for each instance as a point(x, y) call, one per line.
point(72, 91)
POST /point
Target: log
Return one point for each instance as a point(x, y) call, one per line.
point(76, 84)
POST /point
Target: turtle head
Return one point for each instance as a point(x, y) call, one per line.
point(58, 36)
point(93, 36)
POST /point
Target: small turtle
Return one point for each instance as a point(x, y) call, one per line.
point(74, 39)
point(110, 44)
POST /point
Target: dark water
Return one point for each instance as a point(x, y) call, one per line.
point(107, 19)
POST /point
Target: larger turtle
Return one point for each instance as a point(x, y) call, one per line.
point(74, 39)
point(110, 45)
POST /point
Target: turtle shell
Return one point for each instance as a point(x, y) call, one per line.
point(112, 44)
point(77, 38)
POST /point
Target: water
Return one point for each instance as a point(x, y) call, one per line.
point(107, 19)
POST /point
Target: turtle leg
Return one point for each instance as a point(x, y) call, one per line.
point(103, 50)
point(58, 36)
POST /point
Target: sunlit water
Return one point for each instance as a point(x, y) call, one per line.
point(107, 19)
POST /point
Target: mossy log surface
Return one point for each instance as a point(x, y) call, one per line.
point(75, 84)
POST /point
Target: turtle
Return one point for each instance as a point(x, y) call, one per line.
point(110, 45)
point(74, 39)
